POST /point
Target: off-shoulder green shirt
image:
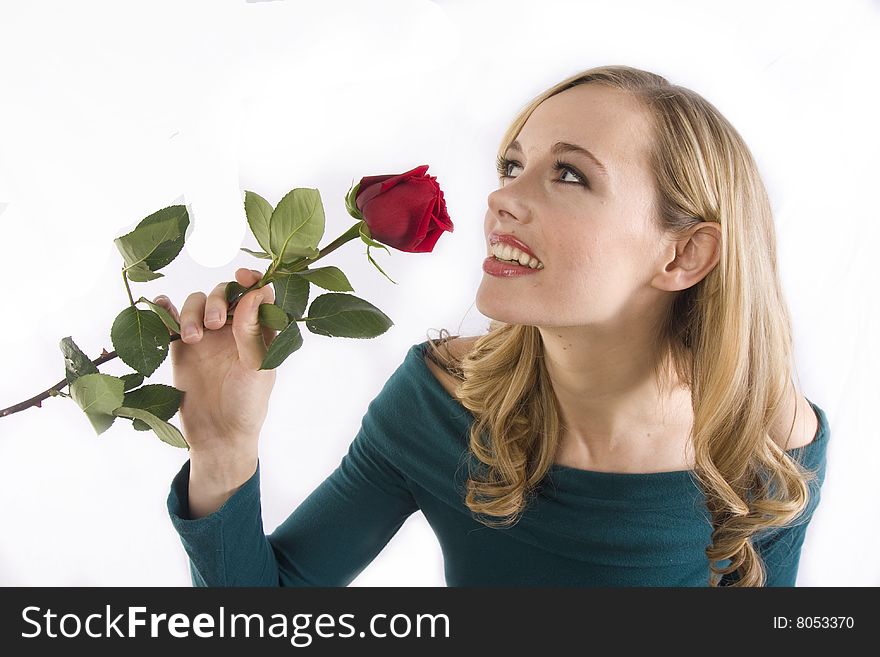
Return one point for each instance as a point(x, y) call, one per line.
point(583, 528)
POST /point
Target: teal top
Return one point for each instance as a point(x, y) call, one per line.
point(583, 527)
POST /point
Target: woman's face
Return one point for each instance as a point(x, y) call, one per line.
point(597, 237)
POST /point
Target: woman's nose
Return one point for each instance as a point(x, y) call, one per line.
point(509, 204)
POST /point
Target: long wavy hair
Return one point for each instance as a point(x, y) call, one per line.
point(728, 338)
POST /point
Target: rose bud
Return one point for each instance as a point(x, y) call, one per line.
point(405, 211)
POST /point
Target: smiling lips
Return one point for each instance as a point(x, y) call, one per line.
point(507, 247)
point(503, 269)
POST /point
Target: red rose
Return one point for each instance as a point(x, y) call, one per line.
point(405, 211)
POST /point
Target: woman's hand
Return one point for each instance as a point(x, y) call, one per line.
point(225, 394)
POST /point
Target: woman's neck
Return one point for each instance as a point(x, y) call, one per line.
point(612, 410)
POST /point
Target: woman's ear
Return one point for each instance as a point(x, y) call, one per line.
point(691, 258)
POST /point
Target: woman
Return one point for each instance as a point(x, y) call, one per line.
point(632, 415)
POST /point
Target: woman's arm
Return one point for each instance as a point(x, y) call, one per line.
point(215, 477)
point(327, 540)
point(332, 535)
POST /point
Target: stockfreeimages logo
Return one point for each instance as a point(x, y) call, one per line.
point(299, 629)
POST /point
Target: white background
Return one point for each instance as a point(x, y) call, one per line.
point(110, 111)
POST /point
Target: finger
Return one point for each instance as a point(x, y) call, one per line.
point(247, 277)
point(247, 330)
point(216, 307)
point(191, 326)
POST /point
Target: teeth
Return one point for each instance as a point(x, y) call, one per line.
point(507, 252)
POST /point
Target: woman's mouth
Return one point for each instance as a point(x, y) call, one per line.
point(507, 253)
point(505, 269)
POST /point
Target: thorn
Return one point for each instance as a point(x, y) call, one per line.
point(104, 352)
point(39, 404)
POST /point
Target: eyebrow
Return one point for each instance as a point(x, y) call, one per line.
point(561, 147)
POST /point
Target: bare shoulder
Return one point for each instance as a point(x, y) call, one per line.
point(806, 424)
point(458, 347)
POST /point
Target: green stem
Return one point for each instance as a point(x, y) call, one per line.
point(301, 263)
point(268, 277)
point(347, 236)
point(55, 391)
point(127, 289)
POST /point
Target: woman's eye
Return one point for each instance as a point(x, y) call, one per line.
point(503, 167)
point(570, 172)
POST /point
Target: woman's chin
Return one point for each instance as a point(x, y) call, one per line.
point(503, 310)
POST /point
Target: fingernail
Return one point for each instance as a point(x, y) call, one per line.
point(190, 331)
point(214, 316)
point(160, 299)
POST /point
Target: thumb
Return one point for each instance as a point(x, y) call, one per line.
point(248, 332)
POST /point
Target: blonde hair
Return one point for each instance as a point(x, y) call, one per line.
point(728, 338)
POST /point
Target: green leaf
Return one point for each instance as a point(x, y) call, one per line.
point(284, 344)
point(167, 432)
point(296, 225)
point(302, 252)
point(156, 240)
point(296, 264)
point(98, 395)
point(140, 273)
point(350, 202)
point(272, 316)
point(259, 254)
point(164, 315)
point(346, 316)
point(258, 211)
point(161, 400)
point(140, 339)
point(330, 278)
point(168, 250)
point(132, 380)
point(291, 294)
point(76, 363)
